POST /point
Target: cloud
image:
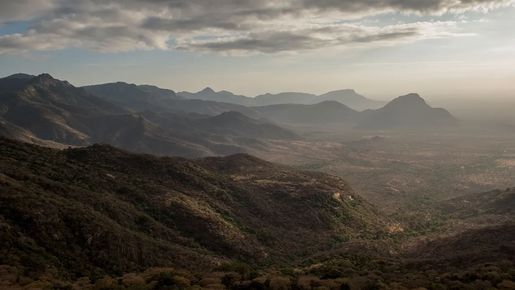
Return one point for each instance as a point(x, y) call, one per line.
point(11, 10)
point(264, 26)
point(323, 36)
point(421, 6)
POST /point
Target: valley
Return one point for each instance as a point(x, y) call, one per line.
point(124, 186)
point(391, 170)
point(257, 145)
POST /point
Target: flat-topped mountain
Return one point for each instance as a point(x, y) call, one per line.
point(96, 210)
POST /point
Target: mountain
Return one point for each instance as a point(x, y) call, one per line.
point(237, 124)
point(146, 119)
point(136, 98)
point(48, 108)
point(406, 112)
point(347, 97)
point(209, 94)
point(96, 210)
point(327, 112)
point(351, 99)
point(144, 97)
point(284, 98)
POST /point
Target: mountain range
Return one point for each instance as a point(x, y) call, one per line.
point(405, 112)
point(347, 97)
point(143, 118)
point(44, 110)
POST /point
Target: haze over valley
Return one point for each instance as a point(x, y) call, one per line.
point(257, 145)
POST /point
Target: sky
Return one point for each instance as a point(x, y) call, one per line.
point(442, 49)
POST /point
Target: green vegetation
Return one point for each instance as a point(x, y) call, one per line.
point(102, 218)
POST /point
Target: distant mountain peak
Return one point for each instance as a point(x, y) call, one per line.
point(45, 76)
point(20, 76)
point(207, 90)
point(409, 99)
point(47, 80)
point(408, 111)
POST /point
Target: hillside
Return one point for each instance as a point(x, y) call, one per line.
point(48, 109)
point(98, 210)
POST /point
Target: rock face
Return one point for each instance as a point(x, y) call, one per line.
point(101, 210)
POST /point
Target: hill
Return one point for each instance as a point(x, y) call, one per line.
point(351, 99)
point(406, 112)
point(96, 210)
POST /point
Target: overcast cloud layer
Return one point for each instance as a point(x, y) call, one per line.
point(240, 26)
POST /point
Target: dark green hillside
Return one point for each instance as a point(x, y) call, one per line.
point(101, 210)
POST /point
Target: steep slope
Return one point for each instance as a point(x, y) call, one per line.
point(99, 210)
point(406, 112)
point(48, 108)
point(321, 113)
point(351, 99)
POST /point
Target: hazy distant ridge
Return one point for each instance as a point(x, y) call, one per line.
point(347, 97)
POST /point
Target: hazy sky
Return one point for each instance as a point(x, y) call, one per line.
point(381, 48)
